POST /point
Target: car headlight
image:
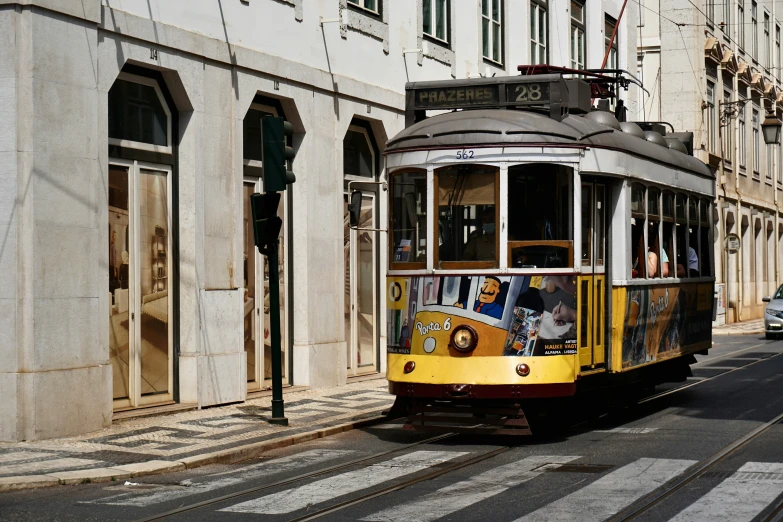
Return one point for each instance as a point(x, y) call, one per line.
point(464, 338)
point(775, 313)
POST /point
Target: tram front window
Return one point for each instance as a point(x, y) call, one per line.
point(467, 215)
point(539, 220)
point(409, 218)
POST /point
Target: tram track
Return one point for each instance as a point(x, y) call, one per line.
point(707, 379)
point(291, 480)
point(644, 505)
point(666, 491)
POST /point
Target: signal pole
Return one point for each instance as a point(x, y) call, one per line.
point(266, 231)
point(278, 413)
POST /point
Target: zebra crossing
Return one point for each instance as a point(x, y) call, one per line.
point(739, 497)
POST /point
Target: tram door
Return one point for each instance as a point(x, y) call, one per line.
point(591, 293)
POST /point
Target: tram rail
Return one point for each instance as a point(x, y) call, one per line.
point(666, 491)
point(775, 513)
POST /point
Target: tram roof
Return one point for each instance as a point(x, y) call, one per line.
point(499, 127)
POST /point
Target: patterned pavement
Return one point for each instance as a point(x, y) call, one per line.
point(756, 326)
point(156, 442)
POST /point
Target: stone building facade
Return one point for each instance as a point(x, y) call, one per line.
point(694, 57)
point(129, 148)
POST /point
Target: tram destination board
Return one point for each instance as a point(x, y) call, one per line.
point(543, 91)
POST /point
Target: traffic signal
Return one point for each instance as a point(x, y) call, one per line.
point(276, 154)
point(266, 223)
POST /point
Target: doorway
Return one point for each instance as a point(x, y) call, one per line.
point(360, 262)
point(592, 291)
point(140, 307)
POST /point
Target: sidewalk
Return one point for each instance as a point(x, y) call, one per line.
point(753, 327)
point(157, 444)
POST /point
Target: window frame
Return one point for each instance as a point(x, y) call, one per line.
point(435, 223)
point(743, 135)
point(728, 136)
point(495, 60)
point(767, 42)
point(406, 265)
point(754, 19)
point(578, 28)
point(741, 23)
point(360, 5)
point(433, 23)
point(140, 145)
point(614, 57)
point(366, 133)
point(755, 125)
point(712, 122)
point(537, 7)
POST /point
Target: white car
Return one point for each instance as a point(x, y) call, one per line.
point(773, 314)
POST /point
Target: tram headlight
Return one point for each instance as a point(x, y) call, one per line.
point(464, 338)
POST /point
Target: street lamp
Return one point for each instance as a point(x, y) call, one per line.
point(771, 129)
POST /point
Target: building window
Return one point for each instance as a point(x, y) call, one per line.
point(609, 27)
point(741, 23)
point(754, 25)
point(756, 142)
point(770, 156)
point(728, 142)
point(712, 129)
point(727, 17)
point(539, 27)
point(435, 19)
point(710, 11)
point(492, 30)
point(578, 49)
point(373, 6)
point(777, 49)
point(138, 114)
point(766, 51)
point(358, 153)
point(743, 136)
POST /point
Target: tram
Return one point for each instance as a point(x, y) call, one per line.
point(538, 247)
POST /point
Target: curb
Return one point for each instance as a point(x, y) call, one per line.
point(154, 467)
point(751, 332)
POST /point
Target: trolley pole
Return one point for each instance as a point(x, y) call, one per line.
point(278, 413)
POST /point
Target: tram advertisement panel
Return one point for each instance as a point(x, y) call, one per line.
point(513, 316)
point(665, 321)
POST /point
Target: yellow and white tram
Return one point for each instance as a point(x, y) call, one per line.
point(536, 246)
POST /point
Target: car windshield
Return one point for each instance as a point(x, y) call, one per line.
point(779, 293)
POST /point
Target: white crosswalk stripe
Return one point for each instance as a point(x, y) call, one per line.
point(332, 487)
point(611, 493)
point(740, 497)
point(216, 481)
point(458, 496)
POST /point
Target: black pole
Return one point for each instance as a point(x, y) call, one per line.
point(278, 414)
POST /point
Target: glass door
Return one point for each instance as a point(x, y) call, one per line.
point(592, 283)
point(360, 289)
point(252, 320)
point(140, 336)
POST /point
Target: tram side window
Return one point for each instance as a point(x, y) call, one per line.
point(693, 233)
point(467, 214)
point(657, 257)
point(638, 220)
point(540, 224)
point(687, 259)
point(667, 212)
point(705, 208)
point(409, 217)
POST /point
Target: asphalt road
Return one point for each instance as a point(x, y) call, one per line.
point(647, 463)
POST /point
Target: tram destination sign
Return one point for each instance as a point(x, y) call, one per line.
point(543, 91)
